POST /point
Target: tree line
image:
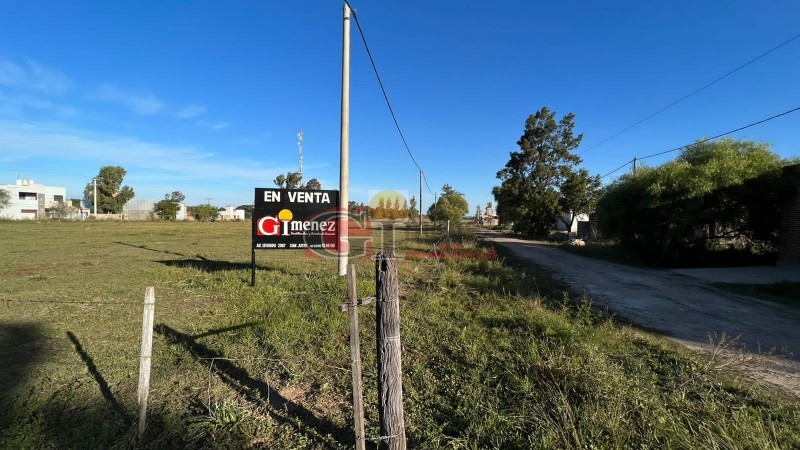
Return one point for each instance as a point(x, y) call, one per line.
point(715, 203)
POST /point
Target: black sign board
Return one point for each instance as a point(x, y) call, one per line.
point(292, 219)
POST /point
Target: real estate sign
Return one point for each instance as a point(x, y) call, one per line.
point(291, 219)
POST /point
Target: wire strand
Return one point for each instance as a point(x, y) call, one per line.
point(386, 96)
point(706, 139)
point(691, 94)
point(723, 134)
point(618, 168)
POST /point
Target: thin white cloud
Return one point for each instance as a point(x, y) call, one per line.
point(20, 141)
point(16, 105)
point(32, 76)
point(216, 126)
point(139, 103)
point(191, 111)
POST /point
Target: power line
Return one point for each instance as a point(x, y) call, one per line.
point(723, 134)
point(620, 167)
point(385, 96)
point(707, 139)
point(691, 94)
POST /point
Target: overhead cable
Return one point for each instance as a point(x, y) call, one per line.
point(691, 93)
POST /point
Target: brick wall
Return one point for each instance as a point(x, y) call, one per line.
point(790, 219)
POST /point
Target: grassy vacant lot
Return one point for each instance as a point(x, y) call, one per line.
point(492, 358)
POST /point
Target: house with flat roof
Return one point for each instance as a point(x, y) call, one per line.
point(29, 200)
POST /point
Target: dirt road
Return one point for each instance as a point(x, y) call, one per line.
point(679, 306)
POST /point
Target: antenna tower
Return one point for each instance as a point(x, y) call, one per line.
point(300, 150)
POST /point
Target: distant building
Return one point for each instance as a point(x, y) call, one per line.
point(228, 213)
point(29, 200)
point(560, 226)
point(489, 218)
point(138, 209)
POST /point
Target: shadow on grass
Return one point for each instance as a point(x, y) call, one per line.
point(209, 265)
point(20, 349)
point(256, 391)
point(101, 382)
point(226, 329)
point(144, 247)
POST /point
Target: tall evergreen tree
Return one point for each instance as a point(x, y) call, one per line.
point(528, 194)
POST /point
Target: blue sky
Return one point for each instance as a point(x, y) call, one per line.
point(207, 97)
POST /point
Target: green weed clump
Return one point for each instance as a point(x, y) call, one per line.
point(493, 356)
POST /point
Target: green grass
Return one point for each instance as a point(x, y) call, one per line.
point(785, 292)
point(492, 358)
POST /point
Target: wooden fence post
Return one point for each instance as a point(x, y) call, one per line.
point(145, 357)
point(390, 380)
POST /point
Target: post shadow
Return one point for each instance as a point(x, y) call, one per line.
point(101, 382)
point(256, 391)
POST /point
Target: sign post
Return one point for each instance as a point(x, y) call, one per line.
point(295, 219)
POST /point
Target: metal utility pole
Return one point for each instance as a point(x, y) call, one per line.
point(435, 208)
point(420, 203)
point(344, 145)
point(634, 166)
point(94, 198)
point(300, 151)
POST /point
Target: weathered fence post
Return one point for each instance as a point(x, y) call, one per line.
point(145, 357)
point(390, 381)
point(355, 357)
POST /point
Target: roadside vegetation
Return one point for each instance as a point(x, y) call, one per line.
point(494, 356)
point(784, 292)
point(717, 204)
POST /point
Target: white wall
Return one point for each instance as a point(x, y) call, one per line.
point(27, 208)
point(559, 225)
point(231, 214)
point(138, 209)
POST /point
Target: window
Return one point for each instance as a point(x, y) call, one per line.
point(58, 198)
point(27, 195)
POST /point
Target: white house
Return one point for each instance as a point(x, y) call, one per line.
point(231, 214)
point(560, 226)
point(29, 200)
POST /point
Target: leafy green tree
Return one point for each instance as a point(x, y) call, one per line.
point(111, 195)
point(5, 198)
point(61, 210)
point(292, 180)
point(412, 208)
point(578, 194)
point(205, 213)
point(716, 196)
point(168, 208)
point(451, 205)
point(528, 195)
point(313, 184)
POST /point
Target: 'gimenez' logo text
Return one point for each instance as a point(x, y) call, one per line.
point(283, 225)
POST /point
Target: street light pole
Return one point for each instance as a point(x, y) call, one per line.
point(94, 198)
